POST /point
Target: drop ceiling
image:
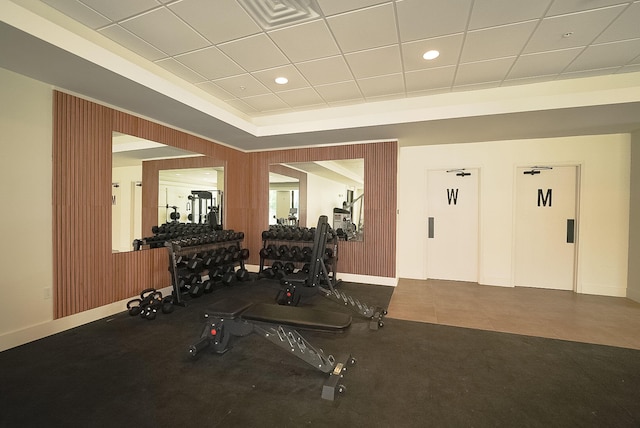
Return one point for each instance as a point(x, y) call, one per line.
point(355, 69)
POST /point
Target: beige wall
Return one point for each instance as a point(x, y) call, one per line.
point(633, 290)
point(603, 210)
point(26, 265)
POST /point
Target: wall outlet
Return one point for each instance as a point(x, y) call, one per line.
point(47, 293)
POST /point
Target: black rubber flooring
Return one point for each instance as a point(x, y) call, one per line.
point(124, 371)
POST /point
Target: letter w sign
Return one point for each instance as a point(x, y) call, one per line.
point(452, 196)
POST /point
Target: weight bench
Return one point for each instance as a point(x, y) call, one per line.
point(230, 318)
point(297, 285)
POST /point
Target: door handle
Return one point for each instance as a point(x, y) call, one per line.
point(431, 221)
point(571, 223)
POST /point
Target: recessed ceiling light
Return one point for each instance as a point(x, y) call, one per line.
point(282, 80)
point(429, 55)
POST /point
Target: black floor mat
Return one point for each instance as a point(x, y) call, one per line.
point(126, 371)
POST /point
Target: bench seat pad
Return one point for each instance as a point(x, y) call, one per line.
point(297, 317)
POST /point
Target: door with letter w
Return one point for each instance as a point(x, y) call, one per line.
point(452, 217)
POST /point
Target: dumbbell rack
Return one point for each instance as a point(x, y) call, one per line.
point(190, 246)
point(276, 243)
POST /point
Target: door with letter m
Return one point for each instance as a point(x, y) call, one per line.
point(452, 217)
point(545, 227)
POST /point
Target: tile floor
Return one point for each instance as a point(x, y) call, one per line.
point(554, 314)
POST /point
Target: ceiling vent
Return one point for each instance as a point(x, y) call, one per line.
point(271, 14)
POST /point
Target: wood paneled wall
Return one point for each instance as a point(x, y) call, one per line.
point(87, 275)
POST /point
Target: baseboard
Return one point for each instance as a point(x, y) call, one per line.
point(602, 290)
point(366, 279)
point(633, 294)
point(42, 330)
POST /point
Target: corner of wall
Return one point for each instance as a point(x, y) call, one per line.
point(633, 273)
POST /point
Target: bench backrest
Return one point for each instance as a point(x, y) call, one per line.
point(317, 252)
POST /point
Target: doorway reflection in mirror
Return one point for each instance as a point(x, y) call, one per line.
point(300, 192)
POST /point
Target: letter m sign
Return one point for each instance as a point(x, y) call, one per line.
point(543, 199)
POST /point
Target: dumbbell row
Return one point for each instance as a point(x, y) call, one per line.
point(279, 269)
point(293, 233)
point(293, 253)
point(216, 257)
point(184, 228)
point(210, 238)
point(289, 233)
point(197, 285)
point(189, 238)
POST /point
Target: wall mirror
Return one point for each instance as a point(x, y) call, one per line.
point(191, 195)
point(128, 153)
point(300, 192)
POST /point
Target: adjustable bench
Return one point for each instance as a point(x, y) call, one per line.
point(297, 285)
point(229, 318)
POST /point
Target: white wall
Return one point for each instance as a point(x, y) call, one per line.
point(126, 216)
point(633, 288)
point(603, 209)
point(26, 265)
point(322, 197)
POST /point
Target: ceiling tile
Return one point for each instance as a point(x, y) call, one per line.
point(448, 46)
point(215, 90)
point(267, 77)
point(242, 86)
point(132, 42)
point(382, 85)
point(560, 7)
point(606, 55)
point(211, 63)
point(496, 42)
point(365, 28)
point(219, 21)
point(307, 41)
point(254, 53)
point(433, 78)
point(626, 26)
point(304, 97)
point(544, 63)
point(326, 70)
point(175, 38)
point(332, 7)
point(264, 103)
point(80, 12)
point(375, 62)
point(484, 71)
point(584, 26)
point(338, 92)
point(117, 10)
point(423, 19)
point(242, 106)
point(490, 13)
point(180, 70)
